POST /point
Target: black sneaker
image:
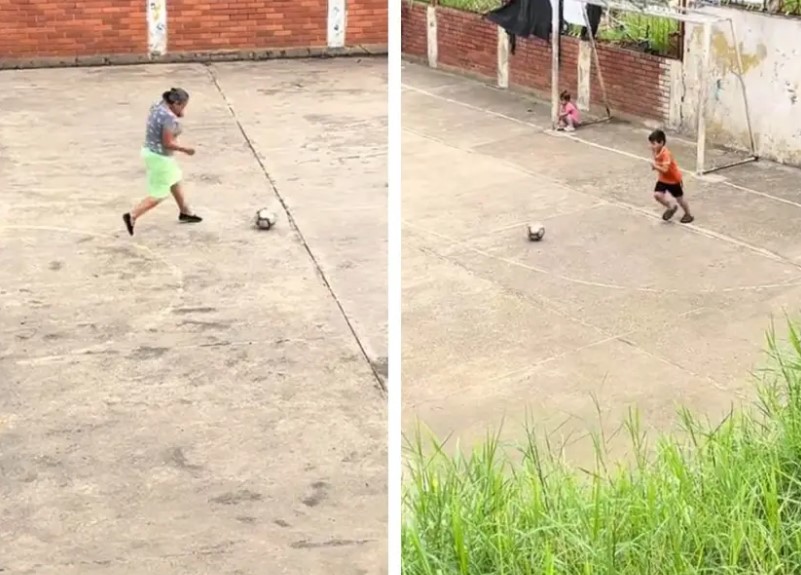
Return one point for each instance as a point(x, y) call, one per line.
point(189, 218)
point(129, 223)
point(687, 219)
point(669, 213)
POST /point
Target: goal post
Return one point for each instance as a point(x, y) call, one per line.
point(687, 15)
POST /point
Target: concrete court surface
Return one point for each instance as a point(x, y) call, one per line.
point(612, 303)
point(192, 400)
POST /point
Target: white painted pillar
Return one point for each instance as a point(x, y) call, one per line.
point(555, 31)
point(156, 27)
point(584, 76)
point(673, 76)
point(503, 58)
point(337, 16)
point(706, 56)
point(431, 35)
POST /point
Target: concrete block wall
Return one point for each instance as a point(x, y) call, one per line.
point(52, 30)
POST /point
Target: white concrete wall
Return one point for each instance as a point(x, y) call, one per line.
point(771, 54)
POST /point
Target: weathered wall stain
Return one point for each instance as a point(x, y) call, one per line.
point(724, 56)
point(769, 48)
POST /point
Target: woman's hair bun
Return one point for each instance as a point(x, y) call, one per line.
point(175, 95)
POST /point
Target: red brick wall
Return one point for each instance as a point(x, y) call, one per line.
point(70, 28)
point(201, 25)
point(413, 29)
point(530, 67)
point(36, 28)
point(466, 41)
point(636, 83)
point(367, 22)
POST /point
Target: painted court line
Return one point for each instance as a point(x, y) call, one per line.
point(178, 274)
point(110, 346)
point(472, 107)
point(517, 375)
point(523, 373)
point(603, 285)
point(575, 138)
point(522, 225)
point(718, 236)
point(540, 300)
point(763, 194)
point(622, 337)
point(692, 228)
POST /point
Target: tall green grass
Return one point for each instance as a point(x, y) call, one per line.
point(718, 499)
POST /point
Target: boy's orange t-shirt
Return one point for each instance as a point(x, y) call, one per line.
point(673, 174)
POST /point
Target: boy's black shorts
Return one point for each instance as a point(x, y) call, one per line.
point(675, 190)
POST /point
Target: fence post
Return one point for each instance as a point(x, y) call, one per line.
point(583, 95)
point(431, 34)
point(336, 23)
point(503, 58)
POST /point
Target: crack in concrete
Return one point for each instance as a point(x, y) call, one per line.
point(380, 382)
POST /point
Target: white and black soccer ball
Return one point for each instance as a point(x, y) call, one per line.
point(265, 219)
point(536, 232)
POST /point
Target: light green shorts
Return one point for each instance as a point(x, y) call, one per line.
point(163, 172)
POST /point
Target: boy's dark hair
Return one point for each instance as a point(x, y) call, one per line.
point(657, 137)
point(175, 96)
point(565, 95)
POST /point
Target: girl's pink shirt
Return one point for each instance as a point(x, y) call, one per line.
point(571, 110)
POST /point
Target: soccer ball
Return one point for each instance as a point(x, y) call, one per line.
point(265, 219)
point(536, 232)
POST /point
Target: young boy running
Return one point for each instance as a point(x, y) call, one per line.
point(669, 180)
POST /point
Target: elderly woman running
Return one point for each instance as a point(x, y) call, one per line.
point(163, 173)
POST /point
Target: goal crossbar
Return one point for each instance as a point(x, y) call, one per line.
point(682, 14)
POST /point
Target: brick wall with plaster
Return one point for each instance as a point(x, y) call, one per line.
point(134, 30)
point(637, 84)
point(660, 90)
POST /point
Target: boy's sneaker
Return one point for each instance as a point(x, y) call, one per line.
point(687, 219)
point(129, 223)
point(570, 129)
point(189, 218)
point(669, 213)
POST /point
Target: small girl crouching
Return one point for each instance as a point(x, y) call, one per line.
point(569, 116)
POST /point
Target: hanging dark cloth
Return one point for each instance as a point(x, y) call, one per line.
point(594, 14)
point(526, 18)
point(523, 18)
